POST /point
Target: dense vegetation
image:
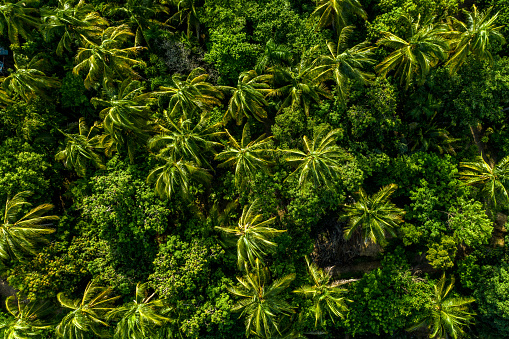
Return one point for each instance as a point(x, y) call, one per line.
point(254, 168)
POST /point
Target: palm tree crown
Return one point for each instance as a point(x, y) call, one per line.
point(176, 176)
point(72, 22)
point(28, 318)
point(320, 163)
point(261, 303)
point(345, 63)
point(188, 142)
point(247, 156)
point(248, 98)
point(140, 317)
point(79, 149)
point(414, 57)
point(125, 116)
point(108, 60)
point(297, 86)
point(194, 94)
point(492, 179)
point(87, 314)
point(28, 81)
point(374, 215)
point(336, 12)
point(326, 297)
point(21, 236)
point(447, 315)
point(474, 37)
point(17, 17)
point(254, 234)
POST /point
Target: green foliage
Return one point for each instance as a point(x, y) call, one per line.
point(441, 255)
point(22, 169)
point(386, 299)
point(470, 223)
point(493, 301)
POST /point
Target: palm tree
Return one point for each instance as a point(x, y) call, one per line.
point(273, 55)
point(72, 22)
point(343, 63)
point(87, 315)
point(17, 17)
point(426, 137)
point(299, 87)
point(248, 156)
point(413, 58)
point(79, 149)
point(253, 235)
point(320, 163)
point(447, 315)
point(476, 37)
point(492, 179)
point(139, 14)
point(248, 98)
point(191, 95)
point(21, 236)
point(373, 215)
point(125, 118)
point(139, 318)
point(28, 81)
point(108, 60)
point(188, 142)
point(336, 12)
point(261, 303)
point(28, 318)
point(326, 297)
point(176, 176)
point(187, 14)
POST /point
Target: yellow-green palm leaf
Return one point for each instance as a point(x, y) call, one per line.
point(261, 303)
point(253, 235)
point(373, 216)
point(87, 315)
point(19, 237)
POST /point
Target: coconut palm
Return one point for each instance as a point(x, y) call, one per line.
point(253, 235)
point(247, 156)
point(176, 176)
point(28, 318)
point(321, 161)
point(71, 23)
point(140, 15)
point(17, 17)
point(336, 12)
point(87, 315)
point(194, 94)
point(79, 149)
point(261, 303)
point(373, 216)
point(430, 137)
point(125, 118)
point(413, 58)
point(188, 141)
point(297, 86)
point(28, 81)
point(475, 37)
point(493, 180)
point(248, 99)
point(447, 314)
point(187, 14)
point(273, 55)
point(326, 296)
point(343, 63)
point(107, 60)
point(139, 318)
point(21, 236)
